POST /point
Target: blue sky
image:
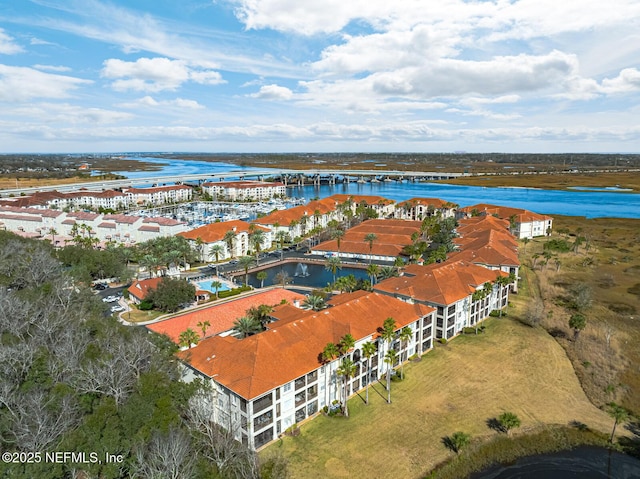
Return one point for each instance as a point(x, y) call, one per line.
point(336, 75)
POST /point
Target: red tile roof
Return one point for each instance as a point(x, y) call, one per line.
point(140, 289)
point(435, 202)
point(221, 316)
point(442, 284)
point(505, 212)
point(257, 364)
point(215, 231)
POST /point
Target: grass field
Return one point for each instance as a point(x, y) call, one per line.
point(456, 387)
point(606, 355)
point(558, 181)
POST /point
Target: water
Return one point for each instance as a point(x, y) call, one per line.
point(177, 167)
point(316, 275)
point(592, 203)
point(206, 286)
point(580, 463)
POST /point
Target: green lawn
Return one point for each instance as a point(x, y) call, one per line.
point(456, 387)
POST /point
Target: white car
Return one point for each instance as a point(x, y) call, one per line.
point(116, 309)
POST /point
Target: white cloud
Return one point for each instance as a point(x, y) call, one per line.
point(627, 81)
point(155, 74)
point(273, 92)
point(52, 68)
point(65, 113)
point(23, 84)
point(7, 45)
point(150, 102)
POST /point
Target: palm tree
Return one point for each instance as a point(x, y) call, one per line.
point(388, 334)
point(619, 414)
point(368, 350)
point(387, 272)
point(261, 276)
point(217, 249)
point(245, 263)
point(200, 248)
point(314, 302)
point(256, 239)
point(333, 264)
point(337, 235)
point(458, 441)
point(216, 285)
point(246, 326)
point(370, 238)
point(203, 325)
point(230, 239)
point(406, 334)
point(372, 271)
point(390, 359)
point(508, 421)
point(188, 338)
point(53, 232)
point(525, 241)
point(281, 237)
point(329, 353)
point(347, 370)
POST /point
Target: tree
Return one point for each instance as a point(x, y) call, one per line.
point(245, 262)
point(577, 322)
point(337, 235)
point(372, 271)
point(188, 338)
point(370, 238)
point(314, 302)
point(247, 326)
point(406, 334)
point(282, 278)
point(501, 281)
point(261, 276)
point(619, 414)
point(230, 239)
point(167, 455)
point(368, 351)
point(171, 293)
point(346, 370)
point(281, 237)
point(53, 232)
point(534, 312)
point(458, 441)
point(217, 249)
point(200, 248)
point(256, 238)
point(333, 264)
point(390, 359)
point(330, 352)
point(203, 325)
point(216, 285)
point(525, 242)
point(261, 314)
point(508, 421)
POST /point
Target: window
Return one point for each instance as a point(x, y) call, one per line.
point(263, 420)
point(451, 310)
point(300, 415)
point(312, 376)
point(286, 388)
point(264, 437)
point(262, 403)
point(300, 383)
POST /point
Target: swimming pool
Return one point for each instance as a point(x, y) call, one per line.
point(206, 286)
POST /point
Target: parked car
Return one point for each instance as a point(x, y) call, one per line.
point(100, 286)
point(116, 309)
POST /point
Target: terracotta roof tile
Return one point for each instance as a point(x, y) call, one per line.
point(254, 365)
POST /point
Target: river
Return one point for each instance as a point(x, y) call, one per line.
point(592, 204)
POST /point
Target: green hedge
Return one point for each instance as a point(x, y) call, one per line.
point(233, 292)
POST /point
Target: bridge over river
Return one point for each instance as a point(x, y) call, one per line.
point(288, 176)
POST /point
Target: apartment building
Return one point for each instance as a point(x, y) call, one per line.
point(244, 190)
point(266, 383)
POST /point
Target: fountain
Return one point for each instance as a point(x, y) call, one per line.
point(302, 270)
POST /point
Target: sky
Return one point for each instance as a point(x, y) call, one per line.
point(327, 76)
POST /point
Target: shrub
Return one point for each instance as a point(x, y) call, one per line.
point(495, 313)
point(469, 330)
point(145, 305)
point(442, 340)
point(233, 292)
point(557, 245)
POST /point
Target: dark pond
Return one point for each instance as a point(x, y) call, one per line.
point(580, 463)
point(314, 275)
